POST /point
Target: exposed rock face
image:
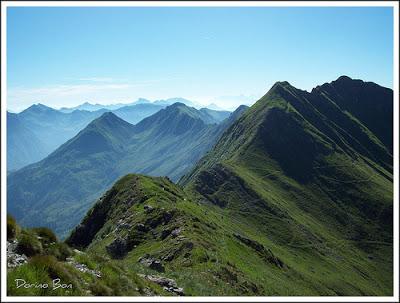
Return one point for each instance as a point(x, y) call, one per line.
point(83, 268)
point(14, 259)
point(121, 224)
point(168, 284)
point(118, 248)
point(182, 248)
point(148, 208)
point(152, 263)
point(176, 232)
point(265, 253)
point(173, 232)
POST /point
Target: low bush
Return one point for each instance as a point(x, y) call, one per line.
point(56, 270)
point(46, 234)
point(43, 269)
point(12, 227)
point(59, 250)
point(85, 259)
point(29, 245)
point(99, 289)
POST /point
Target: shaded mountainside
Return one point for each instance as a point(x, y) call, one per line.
point(295, 198)
point(152, 227)
point(135, 113)
point(313, 180)
point(23, 146)
point(49, 128)
point(366, 101)
point(156, 229)
point(48, 192)
point(62, 186)
point(170, 142)
point(36, 256)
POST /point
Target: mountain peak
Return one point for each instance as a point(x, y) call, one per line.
point(109, 114)
point(177, 105)
point(283, 84)
point(107, 132)
point(109, 118)
point(343, 78)
point(38, 107)
point(342, 81)
point(280, 86)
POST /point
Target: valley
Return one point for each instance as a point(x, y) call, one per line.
point(290, 197)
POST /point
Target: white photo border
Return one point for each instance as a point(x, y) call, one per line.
point(393, 4)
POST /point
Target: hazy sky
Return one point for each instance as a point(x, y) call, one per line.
point(66, 56)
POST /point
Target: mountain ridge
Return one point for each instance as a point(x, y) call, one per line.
point(294, 198)
point(167, 143)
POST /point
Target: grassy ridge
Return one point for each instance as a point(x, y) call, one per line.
point(312, 183)
point(296, 198)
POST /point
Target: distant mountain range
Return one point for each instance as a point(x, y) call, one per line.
point(94, 107)
point(290, 197)
point(23, 146)
point(63, 185)
point(43, 127)
point(39, 130)
point(295, 198)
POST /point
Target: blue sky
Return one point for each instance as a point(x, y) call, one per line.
point(66, 56)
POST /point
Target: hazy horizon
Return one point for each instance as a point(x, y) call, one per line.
point(66, 56)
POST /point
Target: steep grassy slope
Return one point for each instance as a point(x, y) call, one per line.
point(205, 252)
point(46, 193)
point(62, 187)
point(313, 182)
point(51, 128)
point(366, 101)
point(170, 142)
point(51, 268)
point(155, 229)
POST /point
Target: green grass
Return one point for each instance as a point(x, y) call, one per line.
point(298, 178)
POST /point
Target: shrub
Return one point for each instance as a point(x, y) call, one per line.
point(45, 233)
point(99, 289)
point(55, 269)
point(29, 245)
point(11, 227)
point(44, 269)
point(59, 250)
point(85, 259)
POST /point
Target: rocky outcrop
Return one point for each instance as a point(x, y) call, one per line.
point(263, 252)
point(14, 259)
point(151, 263)
point(167, 284)
point(83, 268)
point(118, 248)
point(183, 247)
point(148, 208)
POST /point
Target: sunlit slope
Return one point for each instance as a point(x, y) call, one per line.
point(310, 180)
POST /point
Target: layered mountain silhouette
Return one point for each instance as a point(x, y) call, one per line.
point(49, 128)
point(44, 128)
point(23, 146)
point(62, 186)
point(296, 198)
point(87, 106)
